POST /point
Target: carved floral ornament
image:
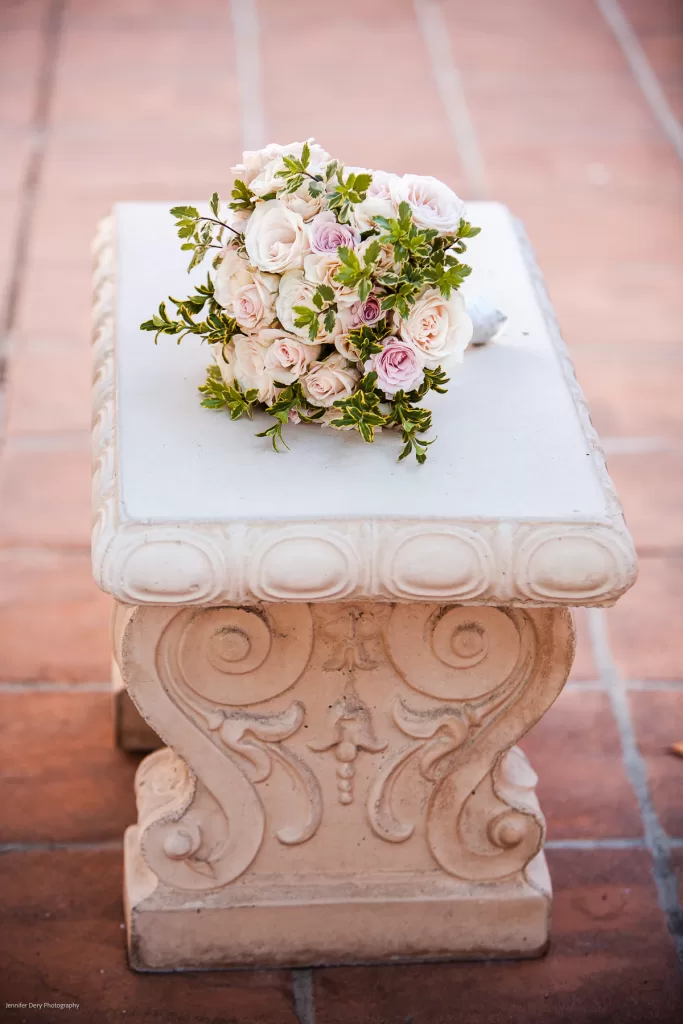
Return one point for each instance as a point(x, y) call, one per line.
point(483, 676)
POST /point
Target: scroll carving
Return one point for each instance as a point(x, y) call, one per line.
point(428, 695)
point(507, 666)
point(257, 740)
point(201, 819)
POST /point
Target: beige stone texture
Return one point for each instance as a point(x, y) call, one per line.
point(341, 782)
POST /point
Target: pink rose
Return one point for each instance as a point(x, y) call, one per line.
point(370, 311)
point(398, 367)
point(325, 235)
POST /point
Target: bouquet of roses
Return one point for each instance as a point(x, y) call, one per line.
point(334, 296)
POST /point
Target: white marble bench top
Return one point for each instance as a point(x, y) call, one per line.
point(514, 504)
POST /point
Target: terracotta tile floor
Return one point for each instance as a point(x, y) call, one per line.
point(108, 99)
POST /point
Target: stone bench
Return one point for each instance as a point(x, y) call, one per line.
point(341, 652)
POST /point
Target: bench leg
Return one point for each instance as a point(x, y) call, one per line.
point(131, 731)
point(341, 783)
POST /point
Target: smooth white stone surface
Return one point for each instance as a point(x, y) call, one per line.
point(509, 441)
point(514, 505)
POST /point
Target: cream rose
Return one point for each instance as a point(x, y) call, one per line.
point(275, 238)
point(321, 269)
point(295, 290)
point(245, 293)
point(287, 357)
point(379, 201)
point(439, 328)
point(266, 180)
point(251, 370)
point(330, 380)
point(432, 204)
point(254, 160)
point(303, 203)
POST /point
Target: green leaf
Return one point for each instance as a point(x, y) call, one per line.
point(185, 211)
point(329, 320)
point(214, 204)
point(242, 196)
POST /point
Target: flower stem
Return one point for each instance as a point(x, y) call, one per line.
point(223, 225)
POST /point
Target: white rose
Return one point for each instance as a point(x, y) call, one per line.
point(246, 294)
point(321, 269)
point(295, 290)
point(254, 160)
point(379, 201)
point(287, 357)
point(251, 370)
point(267, 180)
point(225, 359)
point(432, 204)
point(439, 328)
point(330, 380)
point(275, 238)
point(303, 203)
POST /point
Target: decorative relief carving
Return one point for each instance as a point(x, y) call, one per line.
point(257, 739)
point(239, 656)
point(440, 731)
point(351, 733)
point(471, 562)
point(353, 638)
point(185, 835)
point(423, 562)
point(573, 566)
point(475, 678)
point(303, 563)
point(187, 670)
point(499, 669)
point(353, 633)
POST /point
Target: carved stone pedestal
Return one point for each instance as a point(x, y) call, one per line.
point(341, 782)
point(341, 653)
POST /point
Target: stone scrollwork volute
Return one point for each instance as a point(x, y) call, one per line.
point(192, 672)
point(495, 671)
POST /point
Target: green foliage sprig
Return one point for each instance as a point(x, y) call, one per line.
point(347, 194)
point(361, 410)
point(356, 274)
point(200, 232)
point(217, 327)
point(323, 300)
point(219, 395)
point(423, 258)
point(295, 171)
point(290, 399)
point(367, 340)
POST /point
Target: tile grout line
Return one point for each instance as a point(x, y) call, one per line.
point(75, 846)
point(301, 983)
point(656, 840)
point(31, 180)
point(302, 986)
point(8, 686)
point(642, 72)
point(449, 86)
point(48, 686)
point(248, 62)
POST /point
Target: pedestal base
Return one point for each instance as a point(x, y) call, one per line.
point(341, 783)
point(325, 920)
